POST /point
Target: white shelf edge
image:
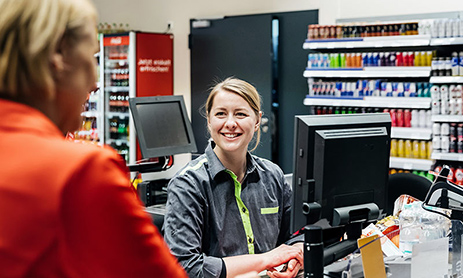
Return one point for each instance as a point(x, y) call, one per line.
point(446, 79)
point(367, 42)
point(410, 163)
point(414, 133)
point(447, 118)
point(383, 102)
point(371, 72)
point(446, 41)
point(447, 156)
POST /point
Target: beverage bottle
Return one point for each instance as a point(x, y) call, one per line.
point(433, 226)
point(409, 228)
point(460, 64)
point(455, 66)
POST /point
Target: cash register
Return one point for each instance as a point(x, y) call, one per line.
point(163, 130)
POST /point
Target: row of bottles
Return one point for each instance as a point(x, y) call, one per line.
point(119, 102)
point(425, 174)
point(119, 128)
point(371, 59)
point(368, 87)
point(420, 149)
point(107, 28)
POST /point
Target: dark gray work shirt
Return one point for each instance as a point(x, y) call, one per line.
point(211, 215)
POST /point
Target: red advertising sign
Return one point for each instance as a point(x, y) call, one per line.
point(116, 40)
point(154, 64)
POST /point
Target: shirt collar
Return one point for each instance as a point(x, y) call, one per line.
point(216, 166)
point(21, 117)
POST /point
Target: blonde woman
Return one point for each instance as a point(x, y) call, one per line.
point(228, 210)
point(66, 209)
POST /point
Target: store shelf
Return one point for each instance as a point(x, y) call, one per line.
point(90, 114)
point(446, 79)
point(447, 118)
point(410, 163)
point(121, 115)
point(118, 142)
point(370, 72)
point(413, 133)
point(384, 102)
point(446, 41)
point(369, 42)
point(447, 156)
point(116, 89)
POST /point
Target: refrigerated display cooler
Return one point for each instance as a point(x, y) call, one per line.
point(134, 64)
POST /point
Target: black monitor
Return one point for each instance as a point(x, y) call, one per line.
point(162, 126)
point(340, 161)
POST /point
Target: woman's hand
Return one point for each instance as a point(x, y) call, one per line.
point(292, 256)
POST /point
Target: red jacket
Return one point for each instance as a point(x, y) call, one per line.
point(68, 209)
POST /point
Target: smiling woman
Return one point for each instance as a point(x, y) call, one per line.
point(222, 205)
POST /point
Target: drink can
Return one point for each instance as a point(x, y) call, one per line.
point(453, 106)
point(435, 107)
point(445, 144)
point(460, 131)
point(453, 145)
point(400, 118)
point(445, 129)
point(422, 121)
point(415, 117)
point(429, 149)
point(400, 148)
point(416, 149)
point(408, 148)
point(407, 118)
point(411, 58)
point(418, 59)
point(393, 117)
point(436, 145)
point(459, 146)
point(435, 28)
point(399, 59)
point(444, 107)
point(394, 147)
point(436, 129)
point(423, 150)
point(435, 93)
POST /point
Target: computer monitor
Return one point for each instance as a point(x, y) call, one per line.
point(340, 161)
point(162, 126)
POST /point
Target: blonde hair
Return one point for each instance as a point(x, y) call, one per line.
point(244, 90)
point(30, 32)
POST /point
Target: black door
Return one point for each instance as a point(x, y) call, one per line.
point(238, 46)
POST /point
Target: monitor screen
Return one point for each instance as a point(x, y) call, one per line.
point(162, 126)
point(341, 162)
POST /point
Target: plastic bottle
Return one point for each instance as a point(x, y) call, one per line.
point(409, 228)
point(433, 226)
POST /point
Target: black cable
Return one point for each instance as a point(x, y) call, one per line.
point(435, 211)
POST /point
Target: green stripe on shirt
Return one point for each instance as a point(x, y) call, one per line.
point(244, 212)
point(269, 210)
point(194, 167)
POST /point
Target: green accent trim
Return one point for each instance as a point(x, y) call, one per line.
point(269, 210)
point(194, 167)
point(244, 212)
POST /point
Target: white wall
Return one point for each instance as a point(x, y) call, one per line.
point(153, 15)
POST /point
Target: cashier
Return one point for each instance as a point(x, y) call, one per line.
point(228, 211)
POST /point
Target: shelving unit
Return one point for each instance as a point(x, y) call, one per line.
point(446, 79)
point(382, 102)
point(412, 133)
point(369, 72)
point(369, 42)
point(410, 163)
